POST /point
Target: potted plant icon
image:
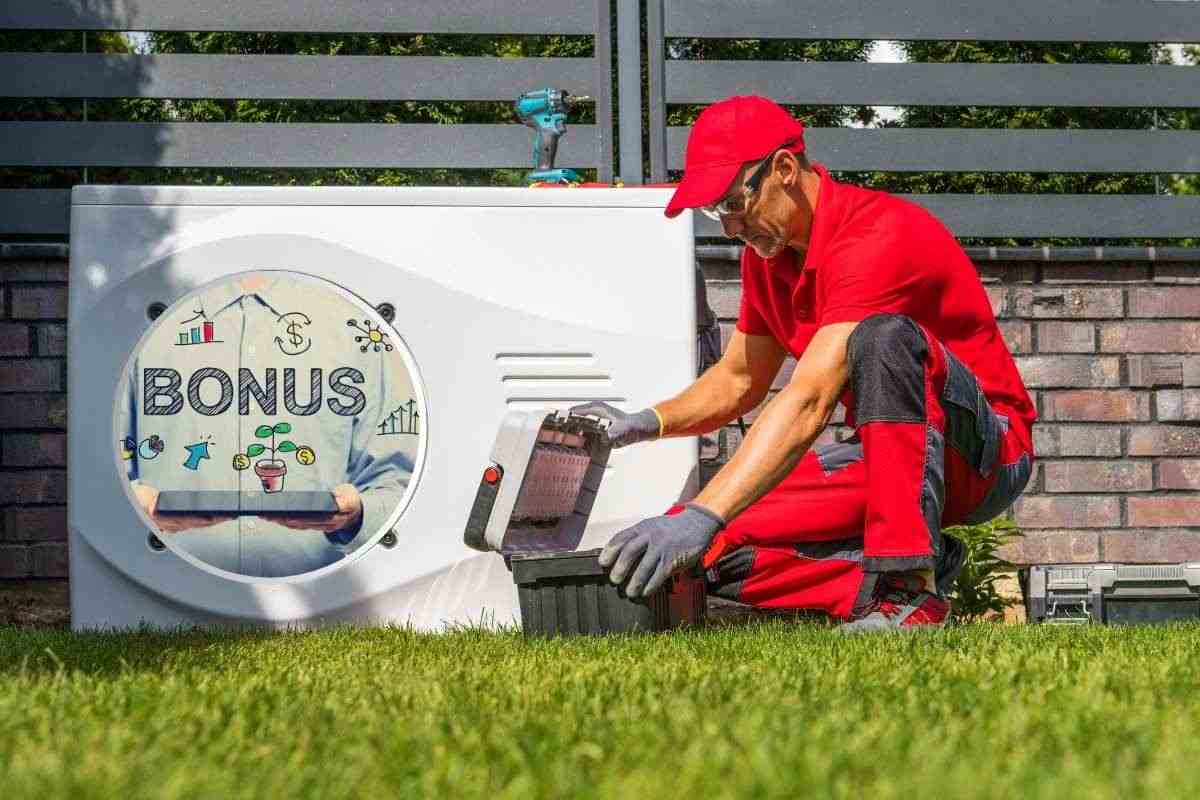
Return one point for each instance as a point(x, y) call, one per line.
point(271, 471)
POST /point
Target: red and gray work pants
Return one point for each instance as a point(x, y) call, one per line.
point(928, 451)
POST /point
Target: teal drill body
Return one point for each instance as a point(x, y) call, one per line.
point(545, 110)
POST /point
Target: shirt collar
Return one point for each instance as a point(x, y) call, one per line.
point(229, 292)
point(826, 217)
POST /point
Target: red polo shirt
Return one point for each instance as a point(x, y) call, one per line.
point(871, 252)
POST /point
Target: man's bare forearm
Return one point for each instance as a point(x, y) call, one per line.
point(715, 399)
point(780, 437)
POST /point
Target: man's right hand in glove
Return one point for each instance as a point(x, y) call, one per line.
point(623, 428)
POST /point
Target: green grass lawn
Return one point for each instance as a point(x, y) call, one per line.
point(765, 710)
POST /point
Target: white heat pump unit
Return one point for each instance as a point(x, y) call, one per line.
point(282, 399)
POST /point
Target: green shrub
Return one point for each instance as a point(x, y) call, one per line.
point(974, 596)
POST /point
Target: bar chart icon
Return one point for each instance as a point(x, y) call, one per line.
point(204, 333)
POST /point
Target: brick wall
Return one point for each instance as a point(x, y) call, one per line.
point(1110, 351)
point(33, 411)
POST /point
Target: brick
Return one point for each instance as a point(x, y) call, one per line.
point(1098, 476)
point(1096, 405)
point(1156, 303)
point(25, 487)
point(724, 298)
point(1179, 473)
point(34, 271)
point(1093, 272)
point(1140, 546)
point(1176, 273)
point(36, 524)
point(1066, 337)
point(39, 302)
point(35, 449)
point(1007, 271)
point(52, 340)
point(1177, 405)
point(1164, 440)
point(31, 375)
point(998, 297)
point(1068, 303)
point(1076, 511)
point(1189, 369)
point(1018, 336)
point(719, 269)
point(48, 560)
point(1155, 370)
point(34, 411)
point(1150, 337)
point(14, 561)
point(34, 251)
point(1069, 371)
point(1164, 511)
point(1076, 440)
point(1053, 546)
point(14, 339)
point(1036, 484)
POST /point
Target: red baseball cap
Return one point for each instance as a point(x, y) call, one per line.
point(724, 137)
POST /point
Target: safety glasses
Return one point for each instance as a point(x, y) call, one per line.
point(735, 204)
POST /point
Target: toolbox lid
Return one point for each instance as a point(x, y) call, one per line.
point(533, 567)
point(536, 493)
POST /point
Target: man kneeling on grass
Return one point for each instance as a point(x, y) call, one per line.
point(884, 312)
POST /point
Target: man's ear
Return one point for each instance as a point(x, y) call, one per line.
point(788, 168)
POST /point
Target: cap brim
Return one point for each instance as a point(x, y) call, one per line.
point(702, 187)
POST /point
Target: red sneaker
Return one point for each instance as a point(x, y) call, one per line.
point(901, 602)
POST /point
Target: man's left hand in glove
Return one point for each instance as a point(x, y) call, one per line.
point(645, 556)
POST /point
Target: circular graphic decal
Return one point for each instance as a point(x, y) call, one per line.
point(269, 424)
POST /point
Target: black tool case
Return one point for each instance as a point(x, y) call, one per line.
point(568, 593)
point(1112, 593)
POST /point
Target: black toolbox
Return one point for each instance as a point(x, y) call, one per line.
point(568, 593)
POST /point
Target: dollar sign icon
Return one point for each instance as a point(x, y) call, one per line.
point(297, 343)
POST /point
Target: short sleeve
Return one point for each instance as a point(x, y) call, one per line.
point(750, 321)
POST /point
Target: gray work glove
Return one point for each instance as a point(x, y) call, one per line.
point(623, 428)
point(655, 549)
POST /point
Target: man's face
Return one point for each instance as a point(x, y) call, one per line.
point(764, 222)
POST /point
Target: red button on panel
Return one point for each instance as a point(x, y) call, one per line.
point(491, 475)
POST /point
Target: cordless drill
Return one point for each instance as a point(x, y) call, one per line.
point(545, 110)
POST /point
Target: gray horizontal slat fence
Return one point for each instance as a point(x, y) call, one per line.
point(311, 16)
point(289, 145)
point(854, 83)
point(34, 211)
point(1047, 215)
point(974, 20)
point(677, 82)
point(284, 77)
point(234, 144)
point(974, 150)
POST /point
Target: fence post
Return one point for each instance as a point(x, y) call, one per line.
point(656, 56)
point(604, 98)
point(629, 90)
